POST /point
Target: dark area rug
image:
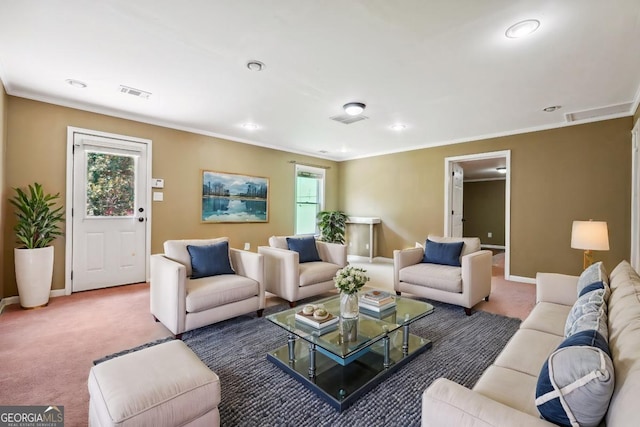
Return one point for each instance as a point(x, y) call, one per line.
point(257, 393)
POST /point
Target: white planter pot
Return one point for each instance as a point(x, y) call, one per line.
point(34, 273)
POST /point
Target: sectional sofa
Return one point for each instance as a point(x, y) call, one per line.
point(506, 393)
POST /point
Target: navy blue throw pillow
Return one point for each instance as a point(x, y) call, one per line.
point(210, 260)
point(579, 374)
point(306, 248)
point(592, 287)
point(442, 253)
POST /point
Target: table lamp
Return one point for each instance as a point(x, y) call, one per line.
point(589, 236)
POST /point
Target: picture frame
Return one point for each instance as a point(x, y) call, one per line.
point(233, 198)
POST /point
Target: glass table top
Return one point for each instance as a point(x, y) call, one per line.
point(371, 326)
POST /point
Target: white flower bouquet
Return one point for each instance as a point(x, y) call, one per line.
point(350, 279)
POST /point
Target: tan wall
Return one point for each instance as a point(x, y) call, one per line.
point(484, 211)
point(559, 175)
point(36, 151)
point(3, 193)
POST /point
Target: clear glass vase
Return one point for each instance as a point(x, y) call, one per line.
point(349, 306)
point(349, 312)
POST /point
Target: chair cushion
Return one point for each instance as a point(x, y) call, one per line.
point(577, 381)
point(215, 291)
point(176, 250)
point(442, 253)
point(547, 317)
point(210, 260)
point(592, 274)
point(317, 272)
point(279, 242)
point(443, 277)
point(306, 248)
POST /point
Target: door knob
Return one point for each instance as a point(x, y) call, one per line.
point(140, 219)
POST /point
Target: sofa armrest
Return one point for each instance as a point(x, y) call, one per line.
point(335, 253)
point(446, 403)
point(168, 292)
point(556, 288)
point(281, 271)
point(403, 258)
point(476, 276)
point(251, 265)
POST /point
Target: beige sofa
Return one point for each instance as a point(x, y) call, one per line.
point(505, 394)
point(465, 286)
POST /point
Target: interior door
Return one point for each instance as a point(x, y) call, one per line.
point(457, 179)
point(109, 212)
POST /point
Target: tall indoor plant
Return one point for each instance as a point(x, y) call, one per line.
point(332, 226)
point(38, 226)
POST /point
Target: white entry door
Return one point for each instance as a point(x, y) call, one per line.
point(109, 212)
point(457, 181)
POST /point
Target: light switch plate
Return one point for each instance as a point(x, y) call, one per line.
point(158, 196)
point(157, 183)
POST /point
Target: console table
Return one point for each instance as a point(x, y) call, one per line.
point(366, 220)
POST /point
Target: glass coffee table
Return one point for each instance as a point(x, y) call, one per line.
point(340, 370)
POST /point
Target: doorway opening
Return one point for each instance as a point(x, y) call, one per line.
point(481, 167)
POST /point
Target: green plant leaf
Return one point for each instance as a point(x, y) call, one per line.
point(38, 217)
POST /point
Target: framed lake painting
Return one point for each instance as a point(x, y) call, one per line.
point(230, 197)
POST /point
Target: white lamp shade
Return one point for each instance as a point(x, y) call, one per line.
point(590, 235)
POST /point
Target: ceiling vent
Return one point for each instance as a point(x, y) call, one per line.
point(347, 119)
point(599, 112)
point(135, 92)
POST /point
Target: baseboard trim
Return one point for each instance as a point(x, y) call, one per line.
point(521, 279)
point(4, 302)
point(502, 247)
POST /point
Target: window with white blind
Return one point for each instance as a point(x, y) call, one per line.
point(309, 198)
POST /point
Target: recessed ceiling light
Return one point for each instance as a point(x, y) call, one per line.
point(551, 108)
point(398, 127)
point(501, 169)
point(354, 108)
point(254, 65)
point(250, 126)
point(522, 28)
point(76, 83)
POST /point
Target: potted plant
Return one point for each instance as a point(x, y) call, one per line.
point(332, 226)
point(38, 225)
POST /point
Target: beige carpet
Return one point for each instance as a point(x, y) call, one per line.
point(46, 354)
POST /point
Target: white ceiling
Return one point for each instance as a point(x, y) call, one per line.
point(442, 68)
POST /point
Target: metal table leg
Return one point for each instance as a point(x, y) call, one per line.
point(386, 362)
point(312, 360)
point(291, 343)
point(405, 339)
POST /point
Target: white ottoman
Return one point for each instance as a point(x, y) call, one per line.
point(162, 385)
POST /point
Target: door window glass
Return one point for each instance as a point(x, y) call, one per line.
point(110, 184)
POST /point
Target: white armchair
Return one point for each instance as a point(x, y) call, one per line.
point(465, 286)
point(183, 303)
point(292, 280)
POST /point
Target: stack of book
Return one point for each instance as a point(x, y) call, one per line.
point(309, 320)
point(377, 301)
